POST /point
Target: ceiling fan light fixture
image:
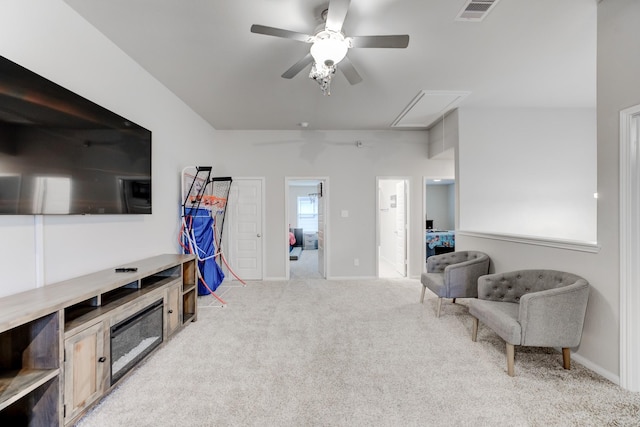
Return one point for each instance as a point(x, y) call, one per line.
point(329, 48)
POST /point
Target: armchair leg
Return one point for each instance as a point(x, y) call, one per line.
point(424, 288)
point(454, 300)
point(566, 358)
point(439, 305)
point(511, 355)
point(474, 331)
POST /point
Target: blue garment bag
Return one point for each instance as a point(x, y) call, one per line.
point(201, 222)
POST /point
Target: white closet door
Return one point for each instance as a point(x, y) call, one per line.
point(245, 239)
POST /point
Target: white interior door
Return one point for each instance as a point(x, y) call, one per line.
point(245, 240)
point(400, 263)
point(321, 229)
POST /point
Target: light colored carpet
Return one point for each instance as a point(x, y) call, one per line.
point(306, 266)
point(352, 353)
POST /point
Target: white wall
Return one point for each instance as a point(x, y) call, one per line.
point(443, 135)
point(529, 171)
point(618, 88)
point(618, 71)
point(351, 186)
point(451, 199)
point(513, 205)
point(49, 38)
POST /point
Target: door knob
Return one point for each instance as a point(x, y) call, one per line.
point(102, 359)
point(258, 235)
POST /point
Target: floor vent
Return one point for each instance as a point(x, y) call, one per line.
point(475, 10)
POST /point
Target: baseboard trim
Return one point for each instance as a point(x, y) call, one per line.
point(596, 368)
point(351, 278)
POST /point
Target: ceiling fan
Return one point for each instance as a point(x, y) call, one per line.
point(329, 46)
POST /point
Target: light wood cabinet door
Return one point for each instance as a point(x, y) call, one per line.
point(173, 307)
point(86, 369)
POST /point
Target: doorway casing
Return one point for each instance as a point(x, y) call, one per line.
point(630, 248)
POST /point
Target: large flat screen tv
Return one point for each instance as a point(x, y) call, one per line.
point(63, 154)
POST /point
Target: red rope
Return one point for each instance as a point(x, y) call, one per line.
point(212, 293)
point(230, 270)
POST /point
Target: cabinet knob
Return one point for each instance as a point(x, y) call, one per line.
point(102, 359)
point(170, 311)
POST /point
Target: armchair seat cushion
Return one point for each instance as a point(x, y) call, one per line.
point(435, 283)
point(501, 317)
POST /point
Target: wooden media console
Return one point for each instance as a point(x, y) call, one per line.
point(56, 342)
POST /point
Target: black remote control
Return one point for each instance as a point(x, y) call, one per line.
point(126, 269)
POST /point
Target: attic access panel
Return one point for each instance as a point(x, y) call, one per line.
point(427, 107)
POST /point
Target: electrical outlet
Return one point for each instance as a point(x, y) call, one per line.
point(356, 262)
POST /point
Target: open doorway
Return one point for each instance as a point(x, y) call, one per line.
point(439, 214)
point(392, 227)
point(305, 207)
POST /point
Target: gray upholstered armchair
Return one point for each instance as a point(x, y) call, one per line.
point(538, 308)
point(454, 275)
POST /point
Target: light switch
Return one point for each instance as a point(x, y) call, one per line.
point(345, 214)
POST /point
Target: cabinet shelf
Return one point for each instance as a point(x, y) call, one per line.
point(16, 384)
point(189, 302)
point(188, 288)
point(29, 370)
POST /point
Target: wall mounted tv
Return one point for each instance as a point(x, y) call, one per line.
point(62, 154)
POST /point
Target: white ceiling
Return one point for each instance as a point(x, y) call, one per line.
point(525, 53)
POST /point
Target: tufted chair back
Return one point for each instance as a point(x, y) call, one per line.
point(437, 264)
point(511, 286)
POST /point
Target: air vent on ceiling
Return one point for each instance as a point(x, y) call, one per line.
point(475, 10)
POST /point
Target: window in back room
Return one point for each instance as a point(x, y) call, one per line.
point(308, 213)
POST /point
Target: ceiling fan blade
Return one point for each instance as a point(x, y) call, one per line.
point(278, 32)
point(298, 66)
point(396, 41)
point(336, 14)
point(349, 71)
